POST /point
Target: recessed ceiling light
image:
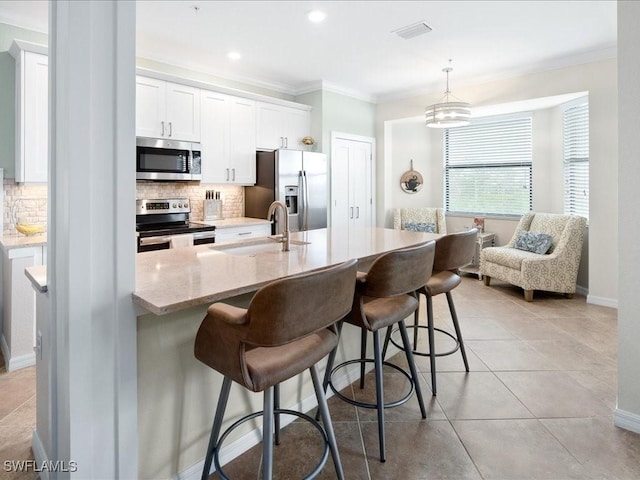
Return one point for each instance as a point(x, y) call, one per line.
point(234, 55)
point(316, 16)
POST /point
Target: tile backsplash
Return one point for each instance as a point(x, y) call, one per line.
point(232, 196)
point(29, 201)
point(32, 206)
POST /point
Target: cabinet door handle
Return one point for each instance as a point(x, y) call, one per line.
point(286, 142)
point(170, 129)
point(162, 127)
point(357, 212)
point(351, 215)
point(233, 178)
point(281, 142)
point(227, 174)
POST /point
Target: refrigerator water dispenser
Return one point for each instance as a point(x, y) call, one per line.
point(291, 199)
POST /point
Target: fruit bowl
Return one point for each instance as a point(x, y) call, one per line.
point(29, 228)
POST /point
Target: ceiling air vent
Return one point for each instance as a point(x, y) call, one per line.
point(414, 30)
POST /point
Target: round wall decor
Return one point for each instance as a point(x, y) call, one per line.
point(411, 181)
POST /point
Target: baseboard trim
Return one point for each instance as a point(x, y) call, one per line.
point(39, 454)
point(582, 291)
point(602, 301)
point(15, 363)
point(254, 437)
point(627, 420)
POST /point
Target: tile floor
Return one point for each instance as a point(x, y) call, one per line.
point(537, 404)
point(17, 418)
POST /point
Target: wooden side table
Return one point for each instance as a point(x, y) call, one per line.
point(484, 240)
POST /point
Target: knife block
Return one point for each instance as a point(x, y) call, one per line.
point(213, 210)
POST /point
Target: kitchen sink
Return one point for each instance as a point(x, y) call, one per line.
point(251, 248)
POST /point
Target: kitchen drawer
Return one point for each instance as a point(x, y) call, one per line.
point(243, 232)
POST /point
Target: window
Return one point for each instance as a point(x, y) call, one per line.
point(488, 166)
point(576, 158)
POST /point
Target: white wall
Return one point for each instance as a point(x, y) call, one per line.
point(628, 411)
point(599, 80)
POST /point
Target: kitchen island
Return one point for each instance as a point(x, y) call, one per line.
point(177, 394)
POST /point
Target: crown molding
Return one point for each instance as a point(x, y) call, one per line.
point(335, 88)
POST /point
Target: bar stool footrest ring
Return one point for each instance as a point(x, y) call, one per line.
point(395, 403)
point(428, 354)
point(314, 472)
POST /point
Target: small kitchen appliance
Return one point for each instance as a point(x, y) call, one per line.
point(158, 159)
point(157, 220)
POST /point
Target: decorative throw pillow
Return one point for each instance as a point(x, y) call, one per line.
point(420, 227)
point(535, 242)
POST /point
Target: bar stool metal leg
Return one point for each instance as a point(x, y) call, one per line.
point(276, 407)
point(412, 367)
point(363, 354)
point(387, 339)
point(377, 354)
point(454, 317)
point(217, 425)
point(323, 410)
point(267, 435)
point(432, 348)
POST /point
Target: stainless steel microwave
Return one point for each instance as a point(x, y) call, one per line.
point(158, 159)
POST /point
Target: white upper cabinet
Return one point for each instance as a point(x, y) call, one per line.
point(167, 110)
point(32, 114)
point(228, 139)
point(281, 127)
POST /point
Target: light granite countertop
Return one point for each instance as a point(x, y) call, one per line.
point(234, 222)
point(38, 277)
point(8, 242)
point(175, 279)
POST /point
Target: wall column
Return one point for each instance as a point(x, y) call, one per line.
point(628, 409)
point(91, 272)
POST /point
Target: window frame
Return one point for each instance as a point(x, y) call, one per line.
point(527, 163)
point(568, 197)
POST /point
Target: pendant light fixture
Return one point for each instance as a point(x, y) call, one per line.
point(448, 114)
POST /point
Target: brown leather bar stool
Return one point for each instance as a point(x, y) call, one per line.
point(452, 252)
point(385, 296)
point(288, 328)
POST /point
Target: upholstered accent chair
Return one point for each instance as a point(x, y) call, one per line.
point(554, 271)
point(419, 217)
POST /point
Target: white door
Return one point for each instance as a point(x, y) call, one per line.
point(242, 140)
point(214, 138)
point(150, 107)
point(296, 126)
point(183, 112)
point(352, 181)
point(269, 126)
point(33, 163)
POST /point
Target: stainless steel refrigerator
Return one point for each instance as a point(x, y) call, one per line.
point(295, 177)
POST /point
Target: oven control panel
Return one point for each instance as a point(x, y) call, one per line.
point(162, 205)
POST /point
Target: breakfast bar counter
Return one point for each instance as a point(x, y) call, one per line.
point(175, 279)
point(177, 394)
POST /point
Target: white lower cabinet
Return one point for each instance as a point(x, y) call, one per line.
point(228, 139)
point(19, 306)
point(243, 232)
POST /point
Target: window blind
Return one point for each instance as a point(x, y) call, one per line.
point(488, 166)
point(576, 159)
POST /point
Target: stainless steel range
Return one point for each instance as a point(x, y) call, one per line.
point(157, 220)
